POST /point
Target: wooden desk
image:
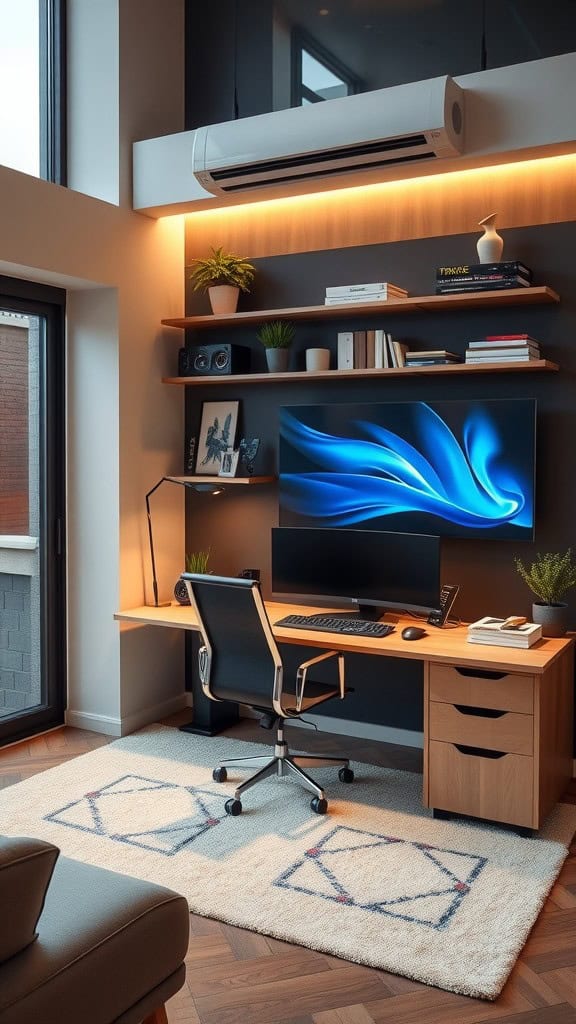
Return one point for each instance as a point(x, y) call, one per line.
point(497, 720)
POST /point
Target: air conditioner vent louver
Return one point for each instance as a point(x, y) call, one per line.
point(327, 155)
point(309, 175)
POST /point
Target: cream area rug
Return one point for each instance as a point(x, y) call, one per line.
point(377, 880)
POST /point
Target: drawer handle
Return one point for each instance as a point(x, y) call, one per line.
point(480, 712)
point(480, 752)
point(480, 673)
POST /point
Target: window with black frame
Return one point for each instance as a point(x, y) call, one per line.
point(33, 87)
point(317, 75)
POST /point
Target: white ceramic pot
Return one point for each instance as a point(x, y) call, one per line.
point(223, 298)
point(490, 245)
point(317, 358)
point(552, 617)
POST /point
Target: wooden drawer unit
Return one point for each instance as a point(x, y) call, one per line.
point(500, 691)
point(468, 780)
point(482, 727)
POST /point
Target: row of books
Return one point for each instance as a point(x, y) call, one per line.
point(371, 349)
point(348, 294)
point(503, 348)
point(482, 277)
point(489, 630)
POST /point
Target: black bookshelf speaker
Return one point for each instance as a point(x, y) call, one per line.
point(213, 360)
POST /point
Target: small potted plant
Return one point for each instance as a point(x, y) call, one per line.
point(549, 577)
point(277, 336)
point(223, 276)
point(197, 561)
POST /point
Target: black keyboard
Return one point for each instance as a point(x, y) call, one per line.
point(333, 624)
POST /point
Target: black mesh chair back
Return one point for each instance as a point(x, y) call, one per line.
point(239, 659)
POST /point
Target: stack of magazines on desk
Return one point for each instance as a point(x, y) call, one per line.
point(489, 630)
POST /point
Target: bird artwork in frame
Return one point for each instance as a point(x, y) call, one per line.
point(217, 433)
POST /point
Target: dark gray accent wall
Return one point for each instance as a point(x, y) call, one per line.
point(236, 525)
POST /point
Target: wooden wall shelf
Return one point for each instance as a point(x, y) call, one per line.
point(224, 481)
point(412, 371)
point(412, 304)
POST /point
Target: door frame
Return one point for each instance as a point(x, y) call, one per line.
point(45, 301)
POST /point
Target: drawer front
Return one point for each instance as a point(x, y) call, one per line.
point(499, 690)
point(467, 781)
point(482, 727)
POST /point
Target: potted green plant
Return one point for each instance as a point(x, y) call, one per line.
point(197, 561)
point(549, 576)
point(276, 337)
point(223, 275)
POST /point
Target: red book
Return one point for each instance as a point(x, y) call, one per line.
point(507, 337)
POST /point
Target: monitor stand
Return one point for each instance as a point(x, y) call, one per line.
point(370, 612)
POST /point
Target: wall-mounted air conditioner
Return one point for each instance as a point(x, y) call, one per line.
point(311, 145)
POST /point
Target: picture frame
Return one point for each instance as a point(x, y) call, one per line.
point(229, 463)
point(218, 423)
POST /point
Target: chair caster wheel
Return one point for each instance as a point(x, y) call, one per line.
point(219, 775)
point(346, 775)
point(233, 807)
point(319, 806)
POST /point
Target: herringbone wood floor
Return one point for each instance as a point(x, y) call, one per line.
point(240, 977)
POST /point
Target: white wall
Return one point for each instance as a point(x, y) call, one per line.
point(124, 273)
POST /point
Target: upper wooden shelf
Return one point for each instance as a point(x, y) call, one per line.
point(413, 371)
point(414, 303)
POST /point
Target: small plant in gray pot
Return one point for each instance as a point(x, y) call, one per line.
point(277, 337)
point(197, 561)
point(549, 576)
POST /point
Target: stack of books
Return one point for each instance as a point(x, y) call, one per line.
point(503, 348)
point(482, 277)
point(369, 350)
point(492, 631)
point(432, 357)
point(348, 294)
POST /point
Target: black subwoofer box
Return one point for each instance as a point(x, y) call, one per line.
point(213, 360)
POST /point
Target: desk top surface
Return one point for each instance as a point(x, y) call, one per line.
point(439, 645)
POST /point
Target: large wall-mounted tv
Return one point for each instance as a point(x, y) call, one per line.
point(453, 468)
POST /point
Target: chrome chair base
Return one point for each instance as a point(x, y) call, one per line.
point(280, 765)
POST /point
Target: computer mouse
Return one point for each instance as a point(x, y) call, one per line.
point(413, 633)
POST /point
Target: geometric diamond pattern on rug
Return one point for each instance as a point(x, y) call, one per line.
point(422, 884)
point(156, 815)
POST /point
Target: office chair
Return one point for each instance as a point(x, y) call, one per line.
point(239, 661)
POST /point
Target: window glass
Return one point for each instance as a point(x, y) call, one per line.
point(20, 85)
point(320, 80)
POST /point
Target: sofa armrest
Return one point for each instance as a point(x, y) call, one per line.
point(26, 867)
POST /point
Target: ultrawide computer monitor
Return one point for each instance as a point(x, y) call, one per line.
point(372, 569)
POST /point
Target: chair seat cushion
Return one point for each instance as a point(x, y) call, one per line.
point(104, 941)
point(314, 693)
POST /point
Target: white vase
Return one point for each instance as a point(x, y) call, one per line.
point(317, 358)
point(223, 298)
point(490, 244)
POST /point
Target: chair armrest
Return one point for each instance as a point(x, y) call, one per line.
point(26, 867)
point(303, 672)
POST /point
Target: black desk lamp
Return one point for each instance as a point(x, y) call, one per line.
point(195, 485)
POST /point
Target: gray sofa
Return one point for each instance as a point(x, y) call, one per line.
point(78, 943)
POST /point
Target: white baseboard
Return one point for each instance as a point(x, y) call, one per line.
point(361, 730)
point(123, 726)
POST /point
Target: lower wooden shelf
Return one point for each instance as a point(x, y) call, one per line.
point(542, 365)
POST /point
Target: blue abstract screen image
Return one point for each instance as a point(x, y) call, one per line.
point(453, 468)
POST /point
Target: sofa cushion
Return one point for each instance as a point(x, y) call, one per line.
point(26, 867)
point(104, 941)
